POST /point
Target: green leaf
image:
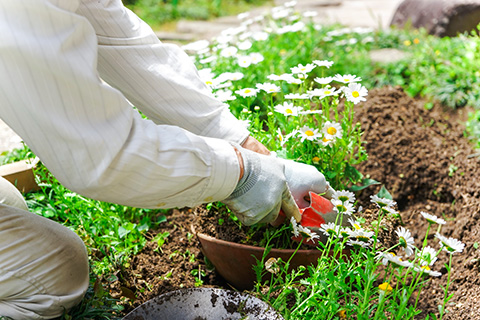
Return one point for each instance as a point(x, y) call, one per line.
point(365, 183)
point(475, 245)
point(383, 193)
point(353, 173)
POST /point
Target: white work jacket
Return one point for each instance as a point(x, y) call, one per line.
point(71, 72)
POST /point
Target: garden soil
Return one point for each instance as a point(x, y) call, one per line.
point(424, 161)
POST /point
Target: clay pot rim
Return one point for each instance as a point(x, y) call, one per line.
point(253, 248)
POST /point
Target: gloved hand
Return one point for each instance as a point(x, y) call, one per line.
point(262, 190)
point(303, 178)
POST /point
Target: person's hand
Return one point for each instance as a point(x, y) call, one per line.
point(303, 178)
point(254, 145)
point(262, 190)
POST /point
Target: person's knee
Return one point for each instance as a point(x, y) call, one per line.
point(43, 266)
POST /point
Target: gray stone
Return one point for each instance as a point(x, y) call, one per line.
point(438, 17)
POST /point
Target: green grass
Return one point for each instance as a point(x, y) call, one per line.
point(159, 13)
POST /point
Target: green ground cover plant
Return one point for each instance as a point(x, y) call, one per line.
point(295, 84)
point(158, 13)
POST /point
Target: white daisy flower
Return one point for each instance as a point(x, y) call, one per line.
point(298, 96)
point(323, 92)
point(427, 256)
point(397, 260)
point(343, 207)
point(271, 265)
point(324, 80)
point(358, 244)
point(283, 139)
point(260, 36)
point(224, 95)
point(244, 61)
point(229, 52)
point(427, 270)
point(355, 93)
point(196, 46)
point(230, 76)
point(332, 130)
point(451, 245)
point(268, 87)
point(287, 109)
point(385, 260)
point(326, 141)
point(382, 202)
point(208, 60)
point(293, 80)
point(330, 229)
point(323, 63)
point(244, 45)
point(362, 235)
point(432, 219)
point(247, 92)
point(299, 230)
point(256, 57)
point(406, 240)
point(311, 112)
point(355, 224)
point(275, 77)
point(344, 196)
point(348, 78)
point(390, 211)
point(309, 133)
point(302, 69)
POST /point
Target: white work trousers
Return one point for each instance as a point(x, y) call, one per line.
point(43, 265)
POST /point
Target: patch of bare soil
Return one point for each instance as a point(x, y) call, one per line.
point(422, 158)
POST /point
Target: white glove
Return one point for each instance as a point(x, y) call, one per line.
point(262, 191)
point(303, 178)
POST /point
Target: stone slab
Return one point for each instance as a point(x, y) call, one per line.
point(439, 17)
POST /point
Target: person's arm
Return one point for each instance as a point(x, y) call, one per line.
point(158, 78)
point(85, 131)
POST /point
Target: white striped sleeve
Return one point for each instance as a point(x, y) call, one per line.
point(158, 78)
point(86, 132)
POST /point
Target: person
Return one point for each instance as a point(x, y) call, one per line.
point(71, 72)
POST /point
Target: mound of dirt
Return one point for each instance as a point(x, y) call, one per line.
point(428, 165)
point(424, 161)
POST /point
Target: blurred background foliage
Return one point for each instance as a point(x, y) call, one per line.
point(159, 12)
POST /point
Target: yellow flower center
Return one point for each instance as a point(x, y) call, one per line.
point(327, 92)
point(289, 111)
point(325, 140)
point(385, 287)
point(426, 268)
point(355, 94)
point(331, 130)
point(346, 80)
point(309, 133)
point(248, 90)
point(315, 159)
point(356, 226)
point(416, 41)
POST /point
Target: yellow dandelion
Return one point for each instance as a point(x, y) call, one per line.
point(407, 43)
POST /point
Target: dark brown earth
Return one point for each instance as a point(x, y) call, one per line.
point(425, 162)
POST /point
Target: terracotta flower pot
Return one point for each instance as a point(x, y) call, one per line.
point(235, 261)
